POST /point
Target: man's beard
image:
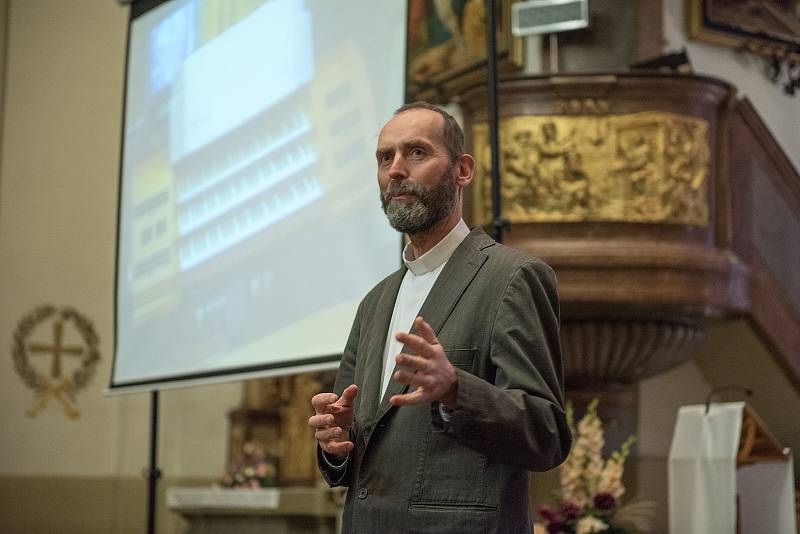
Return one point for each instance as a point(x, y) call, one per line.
point(419, 215)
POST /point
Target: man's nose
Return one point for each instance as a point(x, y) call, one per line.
point(397, 170)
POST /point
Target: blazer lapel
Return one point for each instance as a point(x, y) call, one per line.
point(376, 343)
point(459, 271)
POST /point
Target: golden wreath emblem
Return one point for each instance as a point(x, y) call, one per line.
point(54, 385)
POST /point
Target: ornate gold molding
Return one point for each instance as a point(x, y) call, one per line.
point(641, 167)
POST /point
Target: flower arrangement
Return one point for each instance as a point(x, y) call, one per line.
point(255, 469)
point(591, 487)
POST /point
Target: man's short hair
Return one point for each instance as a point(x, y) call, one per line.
point(452, 134)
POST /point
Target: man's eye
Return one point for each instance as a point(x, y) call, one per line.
point(383, 159)
point(416, 153)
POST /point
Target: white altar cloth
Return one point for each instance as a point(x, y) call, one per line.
point(704, 481)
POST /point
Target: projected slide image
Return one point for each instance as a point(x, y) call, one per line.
point(250, 224)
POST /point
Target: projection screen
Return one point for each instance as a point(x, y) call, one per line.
point(249, 218)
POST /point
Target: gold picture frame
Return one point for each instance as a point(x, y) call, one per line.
point(767, 27)
point(446, 47)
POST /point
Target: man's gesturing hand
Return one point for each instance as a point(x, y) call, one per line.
point(333, 419)
point(429, 370)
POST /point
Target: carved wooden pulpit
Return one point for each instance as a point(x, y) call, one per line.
point(618, 182)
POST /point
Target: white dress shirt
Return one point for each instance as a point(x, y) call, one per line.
point(417, 283)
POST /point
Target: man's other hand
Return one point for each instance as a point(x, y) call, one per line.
point(333, 419)
point(429, 370)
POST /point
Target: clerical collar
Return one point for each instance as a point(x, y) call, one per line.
point(440, 252)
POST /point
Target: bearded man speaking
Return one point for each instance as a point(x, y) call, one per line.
point(450, 387)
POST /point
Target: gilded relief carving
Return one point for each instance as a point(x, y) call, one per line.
point(641, 167)
point(584, 106)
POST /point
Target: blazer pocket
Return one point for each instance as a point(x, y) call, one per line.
point(449, 506)
point(449, 472)
point(442, 517)
point(461, 358)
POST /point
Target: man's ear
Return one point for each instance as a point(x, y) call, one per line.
point(465, 169)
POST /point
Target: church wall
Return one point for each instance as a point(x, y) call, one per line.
point(731, 351)
point(735, 355)
point(779, 111)
point(64, 68)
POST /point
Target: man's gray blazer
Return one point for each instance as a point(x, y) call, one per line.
point(495, 311)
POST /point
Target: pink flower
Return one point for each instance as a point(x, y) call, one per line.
point(262, 470)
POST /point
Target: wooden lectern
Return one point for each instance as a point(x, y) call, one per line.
point(757, 444)
point(728, 474)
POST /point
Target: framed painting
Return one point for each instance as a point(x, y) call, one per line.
point(446, 47)
point(767, 27)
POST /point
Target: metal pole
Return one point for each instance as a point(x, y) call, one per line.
point(498, 223)
point(154, 473)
